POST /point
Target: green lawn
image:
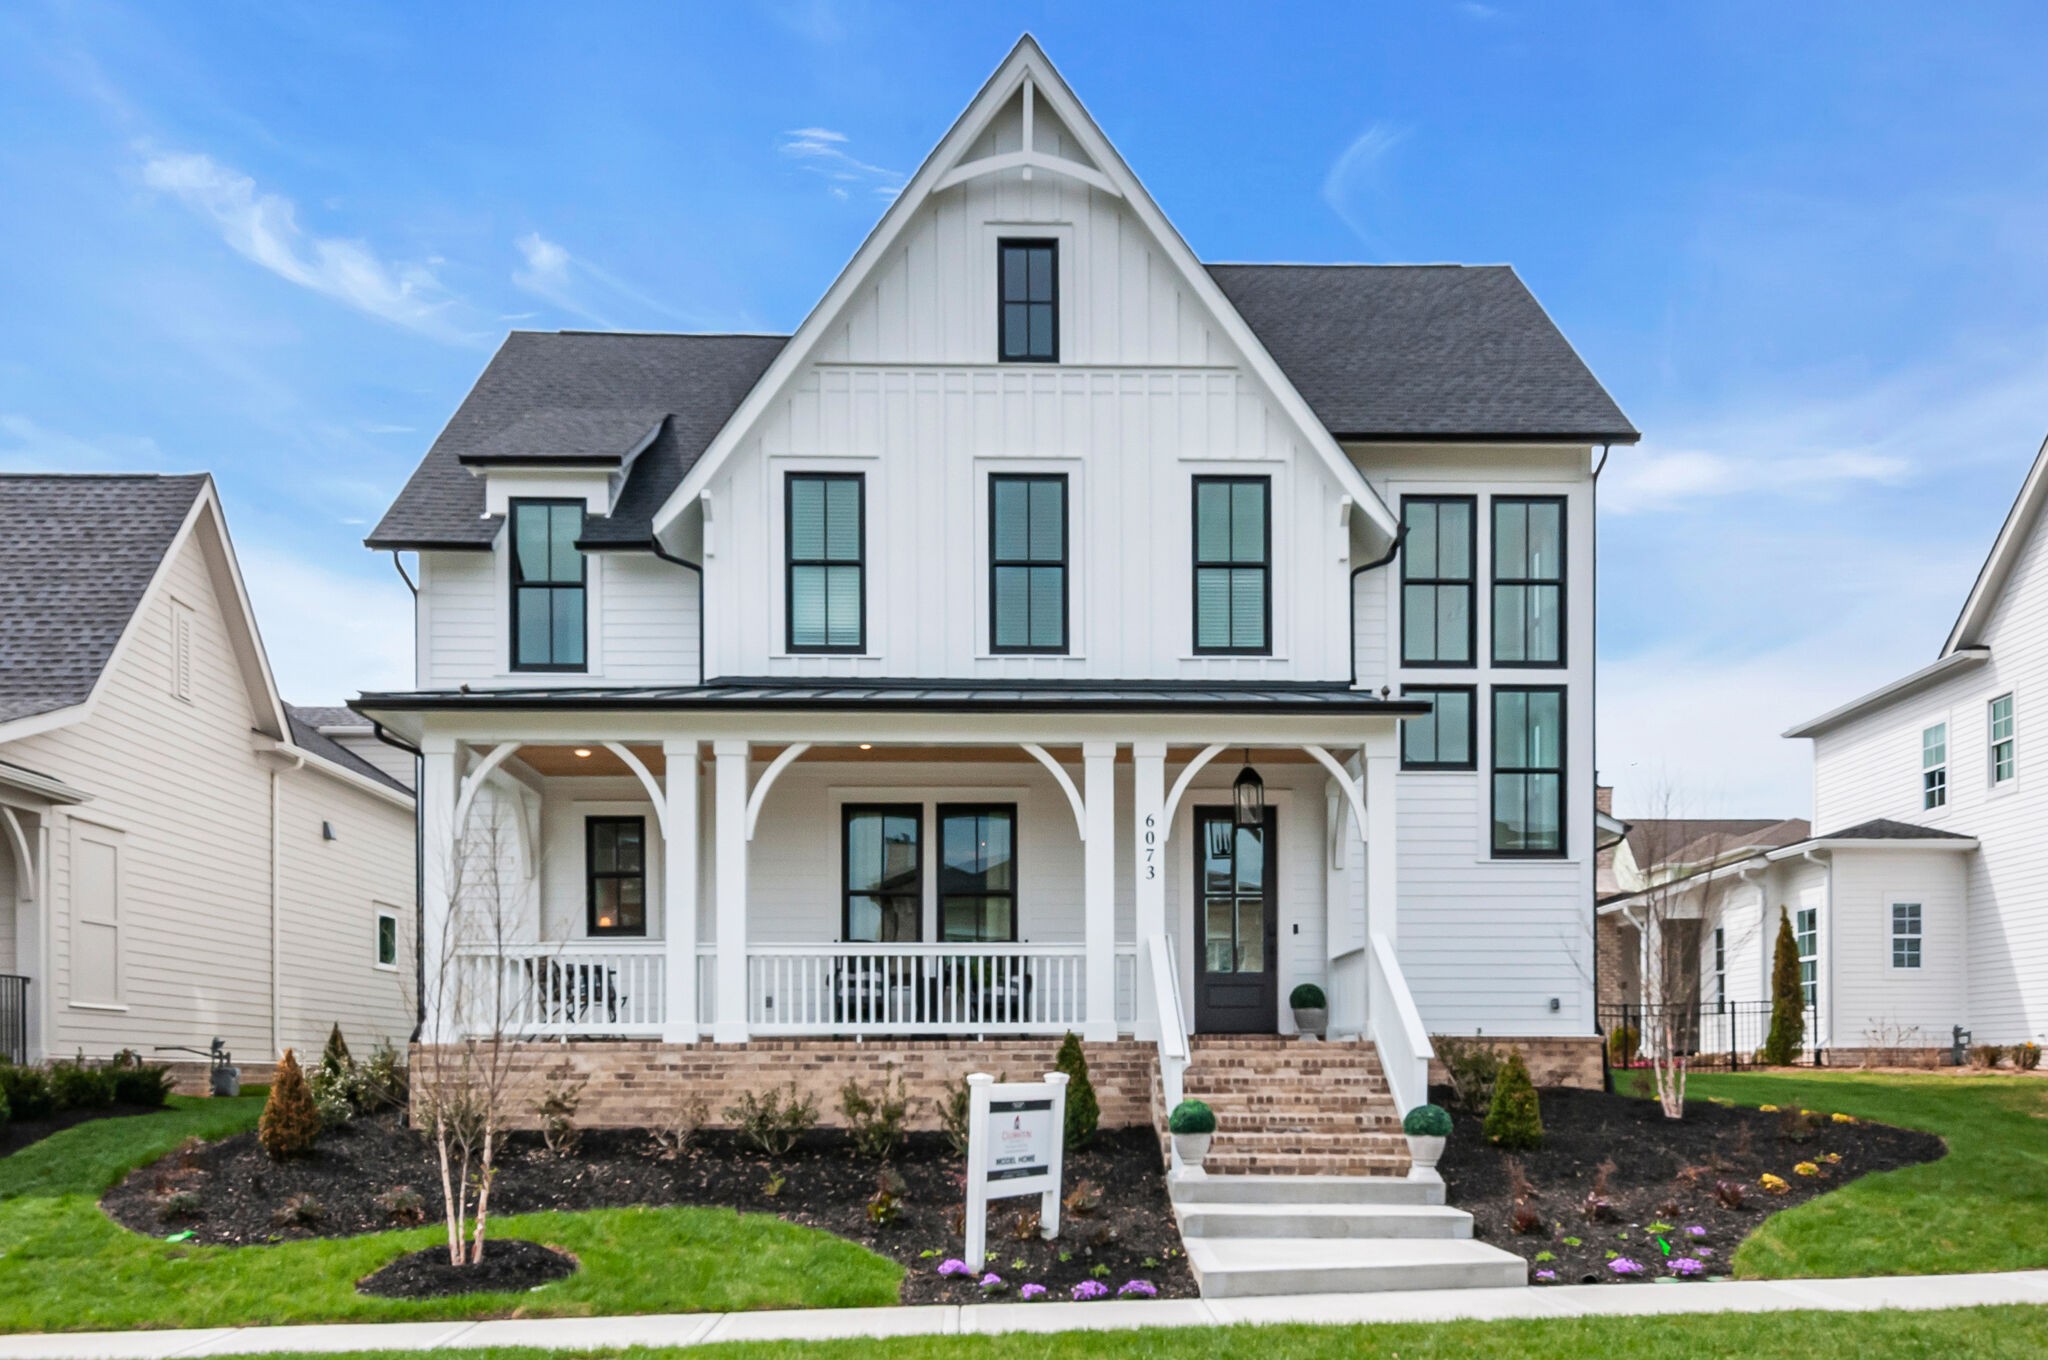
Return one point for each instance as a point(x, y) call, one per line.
point(1982, 1207)
point(65, 1266)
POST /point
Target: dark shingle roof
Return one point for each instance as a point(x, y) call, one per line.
point(330, 715)
point(556, 435)
point(78, 554)
point(306, 721)
point(696, 379)
point(1422, 352)
point(1885, 829)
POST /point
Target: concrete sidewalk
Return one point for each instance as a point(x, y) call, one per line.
point(689, 1329)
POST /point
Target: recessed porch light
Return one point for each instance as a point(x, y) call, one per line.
point(583, 753)
point(867, 746)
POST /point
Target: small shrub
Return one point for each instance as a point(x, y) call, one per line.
point(1024, 1225)
point(1520, 1188)
point(290, 1124)
point(2026, 1057)
point(6, 1111)
point(332, 1105)
point(1515, 1120)
point(1987, 1055)
point(1525, 1220)
point(381, 1081)
point(1622, 1044)
point(1085, 1199)
point(774, 1121)
point(1191, 1116)
point(1796, 1126)
point(676, 1131)
point(1472, 1067)
point(179, 1206)
point(27, 1090)
point(402, 1205)
point(557, 1111)
point(136, 1082)
point(335, 1057)
point(876, 1120)
point(1598, 1205)
point(1082, 1112)
point(1788, 1000)
point(885, 1206)
point(1307, 997)
point(772, 1187)
point(1427, 1121)
point(75, 1086)
point(300, 1211)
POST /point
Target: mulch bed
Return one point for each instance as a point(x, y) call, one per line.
point(19, 1133)
point(1655, 1173)
point(508, 1264)
point(230, 1192)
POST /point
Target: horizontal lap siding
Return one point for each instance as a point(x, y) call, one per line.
point(649, 620)
point(1876, 1005)
point(462, 619)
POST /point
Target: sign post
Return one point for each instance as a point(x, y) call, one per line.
point(1016, 1142)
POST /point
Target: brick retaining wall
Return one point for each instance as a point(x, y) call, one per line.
point(1573, 1061)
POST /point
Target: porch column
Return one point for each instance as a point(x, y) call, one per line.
point(1098, 878)
point(679, 891)
point(730, 1023)
point(439, 779)
point(1382, 756)
point(1148, 859)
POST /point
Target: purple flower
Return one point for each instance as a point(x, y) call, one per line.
point(1705, 1251)
point(991, 1280)
point(1137, 1289)
point(1031, 1291)
point(1686, 1265)
point(1547, 1276)
point(954, 1266)
point(1621, 1265)
point(1090, 1289)
point(1695, 1231)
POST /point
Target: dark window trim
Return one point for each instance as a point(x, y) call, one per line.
point(513, 507)
point(591, 877)
point(1265, 564)
point(1470, 583)
point(1563, 584)
point(939, 815)
point(1563, 773)
point(1471, 729)
point(847, 812)
point(996, 563)
point(1051, 243)
point(790, 563)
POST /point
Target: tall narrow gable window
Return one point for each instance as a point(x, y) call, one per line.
point(827, 589)
point(548, 586)
point(1233, 565)
point(2002, 764)
point(1905, 934)
point(1436, 580)
point(1441, 739)
point(1027, 589)
point(1028, 301)
point(1934, 766)
point(1528, 772)
point(1528, 580)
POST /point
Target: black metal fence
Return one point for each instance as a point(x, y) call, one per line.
point(1726, 1034)
point(13, 1018)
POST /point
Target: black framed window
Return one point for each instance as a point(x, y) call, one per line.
point(825, 523)
point(977, 872)
point(387, 939)
point(1027, 586)
point(882, 874)
point(1445, 738)
point(615, 870)
point(1233, 565)
point(1028, 301)
point(1436, 580)
point(548, 586)
point(1528, 580)
point(1528, 771)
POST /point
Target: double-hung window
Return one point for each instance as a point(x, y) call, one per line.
point(1233, 565)
point(1441, 739)
point(1905, 934)
point(884, 873)
point(1436, 580)
point(1528, 771)
point(1528, 580)
point(2002, 766)
point(1934, 766)
point(615, 863)
point(548, 590)
point(1028, 301)
point(1027, 587)
point(1720, 969)
point(977, 872)
point(1806, 936)
point(826, 525)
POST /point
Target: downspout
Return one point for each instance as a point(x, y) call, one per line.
point(1351, 597)
point(419, 831)
point(1593, 698)
point(654, 546)
point(277, 902)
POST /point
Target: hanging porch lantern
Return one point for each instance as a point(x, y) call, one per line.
point(1249, 795)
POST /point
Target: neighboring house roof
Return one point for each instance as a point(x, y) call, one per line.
point(330, 716)
point(1693, 840)
point(305, 725)
point(1429, 352)
point(77, 557)
point(1885, 829)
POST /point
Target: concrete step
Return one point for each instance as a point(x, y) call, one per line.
point(1213, 1189)
point(1240, 1267)
point(1405, 1221)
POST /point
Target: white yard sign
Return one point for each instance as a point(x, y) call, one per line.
point(1016, 1135)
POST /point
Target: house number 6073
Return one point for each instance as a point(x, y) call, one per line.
point(1151, 846)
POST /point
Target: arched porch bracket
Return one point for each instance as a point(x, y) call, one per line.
point(24, 863)
point(1043, 757)
point(1180, 787)
point(473, 782)
point(1353, 789)
point(768, 777)
point(647, 781)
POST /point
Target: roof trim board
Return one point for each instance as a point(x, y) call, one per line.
point(1952, 663)
point(2019, 522)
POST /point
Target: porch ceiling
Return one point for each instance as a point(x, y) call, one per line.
point(556, 762)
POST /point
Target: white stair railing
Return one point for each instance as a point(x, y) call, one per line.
point(1397, 1030)
point(1173, 1025)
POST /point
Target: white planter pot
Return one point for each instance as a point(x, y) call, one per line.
point(1316, 1021)
point(1423, 1155)
point(1191, 1148)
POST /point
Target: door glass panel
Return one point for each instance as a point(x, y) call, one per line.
point(1251, 935)
point(1219, 952)
point(1233, 897)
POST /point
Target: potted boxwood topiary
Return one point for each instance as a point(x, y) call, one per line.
point(1311, 1009)
point(1426, 1126)
point(1192, 1125)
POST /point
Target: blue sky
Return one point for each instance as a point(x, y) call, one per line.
point(1800, 243)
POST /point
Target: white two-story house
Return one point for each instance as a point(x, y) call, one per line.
point(1055, 633)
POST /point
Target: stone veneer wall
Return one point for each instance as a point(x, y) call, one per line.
point(633, 1083)
point(1571, 1061)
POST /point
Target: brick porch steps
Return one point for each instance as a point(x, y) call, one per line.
point(1294, 1106)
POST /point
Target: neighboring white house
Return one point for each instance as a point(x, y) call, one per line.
point(182, 855)
point(896, 677)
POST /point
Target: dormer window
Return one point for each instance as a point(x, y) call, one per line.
point(547, 586)
point(1028, 301)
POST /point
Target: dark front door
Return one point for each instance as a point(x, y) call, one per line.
point(1235, 926)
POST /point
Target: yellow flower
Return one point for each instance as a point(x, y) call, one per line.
point(1841, 1118)
point(1768, 1109)
point(1807, 1169)
point(1831, 1158)
point(1811, 1114)
point(1777, 1185)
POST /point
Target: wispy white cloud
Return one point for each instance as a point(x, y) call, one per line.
point(1472, 9)
point(28, 446)
point(551, 272)
point(825, 152)
point(264, 228)
point(1653, 479)
point(1356, 187)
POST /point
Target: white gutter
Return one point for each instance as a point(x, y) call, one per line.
point(1960, 660)
point(321, 765)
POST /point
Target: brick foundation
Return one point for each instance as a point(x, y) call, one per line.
point(631, 1083)
point(1572, 1061)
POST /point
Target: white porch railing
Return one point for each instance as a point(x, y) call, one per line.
point(916, 988)
point(1173, 1024)
point(1397, 1029)
point(595, 987)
